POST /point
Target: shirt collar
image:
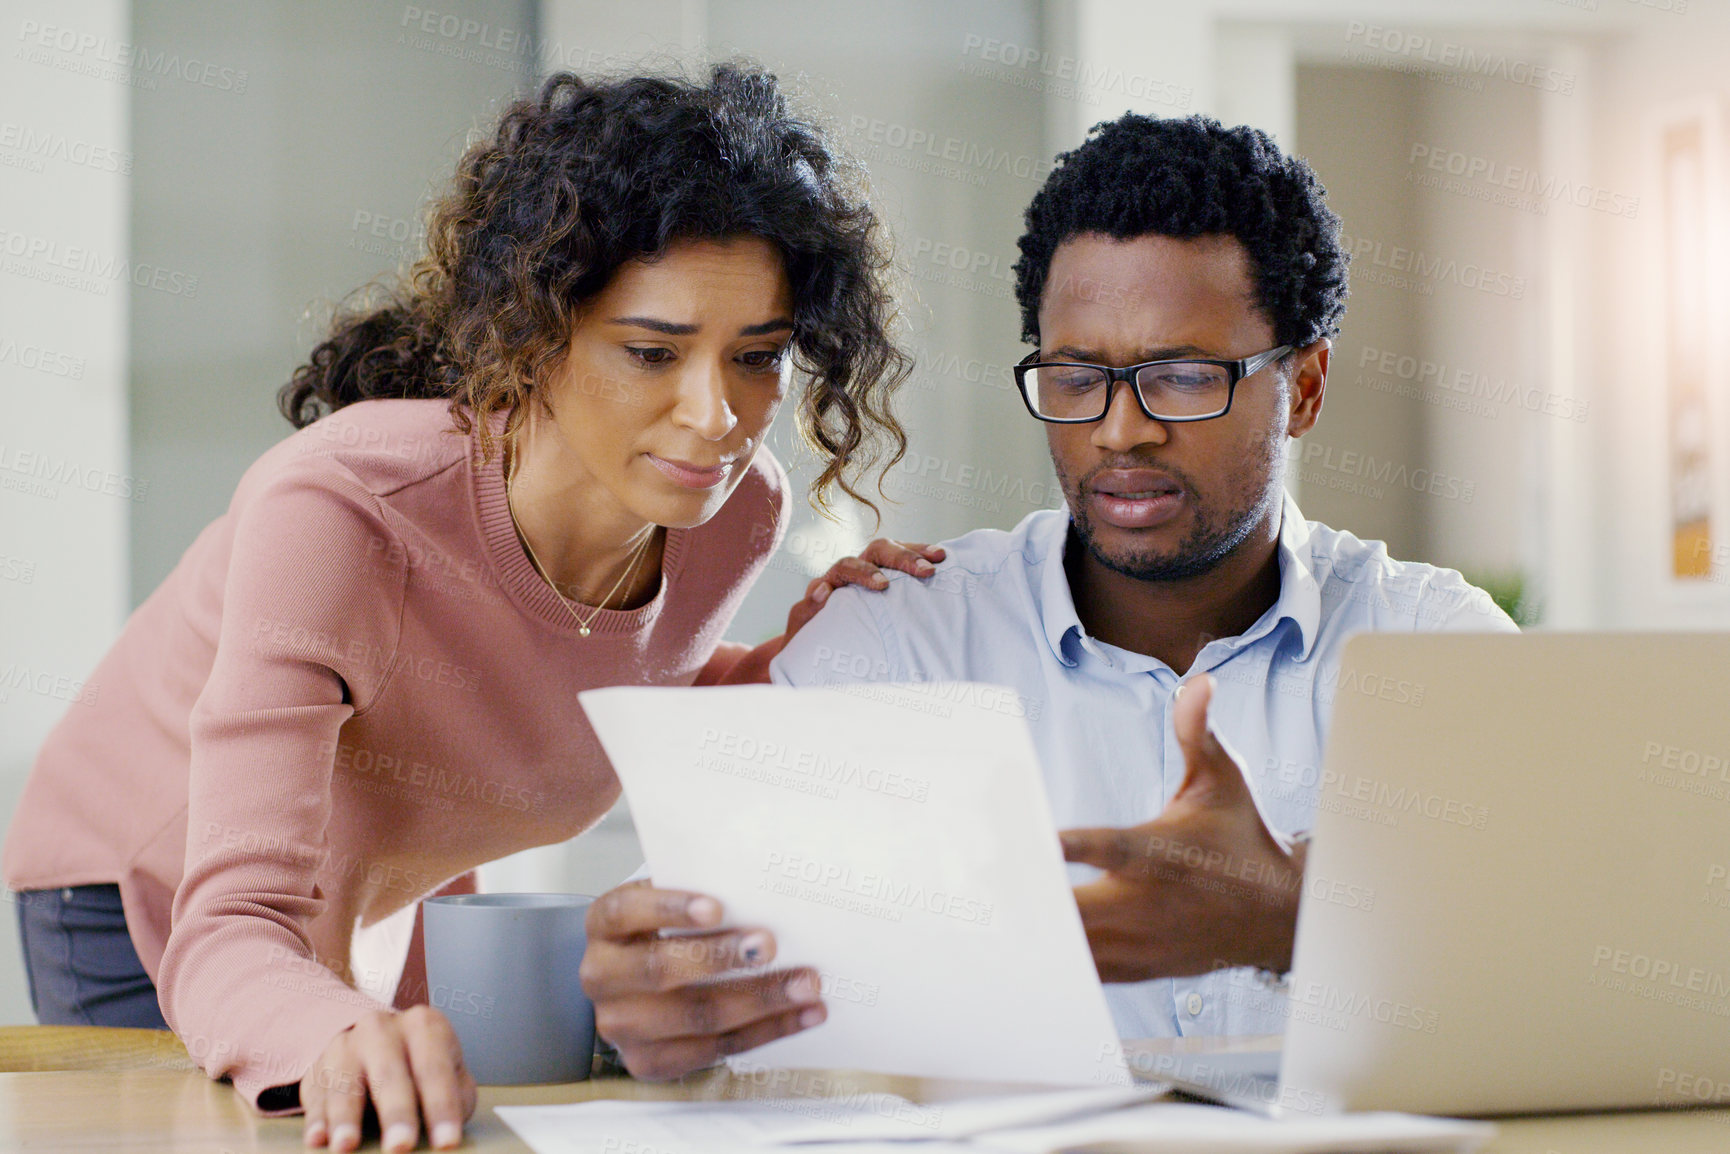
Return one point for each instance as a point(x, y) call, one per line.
point(1299, 592)
point(1056, 603)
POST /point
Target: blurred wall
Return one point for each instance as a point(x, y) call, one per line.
point(1344, 114)
point(66, 487)
point(1423, 442)
point(1481, 440)
point(1667, 64)
point(283, 198)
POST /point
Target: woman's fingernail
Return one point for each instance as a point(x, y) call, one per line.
point(812, 1016)
point(315, 1134)
point(925, 567)
point(447, 1134)
point(802, 988)
point(345, 1137)
point(754, 947)
point(703, 909)
point(398, 1136)
point(879, 579)
point(822, 594)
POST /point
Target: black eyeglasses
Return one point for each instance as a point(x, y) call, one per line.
point(1073, 392)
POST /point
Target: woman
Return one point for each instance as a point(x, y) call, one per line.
point(540, 472)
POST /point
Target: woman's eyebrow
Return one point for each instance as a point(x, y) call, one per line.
point(654, 324)
point(679, 329)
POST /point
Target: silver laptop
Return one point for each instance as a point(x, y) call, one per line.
point(1518, 890)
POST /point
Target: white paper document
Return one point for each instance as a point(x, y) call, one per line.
point(1186, 1128)
point(886, 1124)
point(844, 1121)
point(896, 838)
point(748, 1126)
point(959, 1118)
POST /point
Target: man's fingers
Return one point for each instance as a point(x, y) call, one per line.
point(445, 1087)
point(706, 1010)
point(679, 961)
point(1096, 902)
point(679, 1056)
point(761, 1033)
point(1211, 776)
point(1189, 711)
point(639, 908)
point(612, 969)
point(1105, 849)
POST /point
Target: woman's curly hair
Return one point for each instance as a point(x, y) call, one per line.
point(587, 175)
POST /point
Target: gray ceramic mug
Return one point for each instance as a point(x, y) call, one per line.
point(503, 969)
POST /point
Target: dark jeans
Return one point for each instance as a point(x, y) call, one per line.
point(80, 962)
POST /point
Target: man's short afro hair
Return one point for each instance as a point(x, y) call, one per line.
point(1187, 178)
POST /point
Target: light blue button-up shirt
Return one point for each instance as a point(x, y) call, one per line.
point(999, 610)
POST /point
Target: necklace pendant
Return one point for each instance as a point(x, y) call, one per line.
point(582, 631)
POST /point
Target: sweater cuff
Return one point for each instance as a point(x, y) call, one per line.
point(269, 1079)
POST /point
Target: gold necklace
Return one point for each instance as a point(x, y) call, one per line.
point(636, 557)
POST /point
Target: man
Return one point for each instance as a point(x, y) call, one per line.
point(1181, 283)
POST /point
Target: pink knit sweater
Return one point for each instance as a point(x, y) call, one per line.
point(351, 691)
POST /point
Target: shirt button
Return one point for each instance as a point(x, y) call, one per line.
point(1193, 1004)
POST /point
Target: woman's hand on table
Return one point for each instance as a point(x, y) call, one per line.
point(408, 1064)
point(667, 1003)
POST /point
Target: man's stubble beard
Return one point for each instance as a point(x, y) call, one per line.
point(1256, 493)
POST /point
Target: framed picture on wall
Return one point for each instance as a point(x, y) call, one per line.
point(1687, 382)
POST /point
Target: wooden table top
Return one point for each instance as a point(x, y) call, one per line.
point(83, 1089)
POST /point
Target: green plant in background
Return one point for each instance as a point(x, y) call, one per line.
point(1510, 591)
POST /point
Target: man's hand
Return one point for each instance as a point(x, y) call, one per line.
point(1204, 885)
point(666, 1002)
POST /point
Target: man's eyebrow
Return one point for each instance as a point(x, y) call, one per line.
point(678, 329)
point(1094, 356)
